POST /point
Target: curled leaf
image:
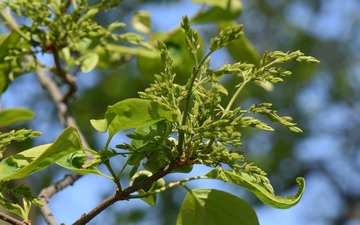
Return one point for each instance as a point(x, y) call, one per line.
point(250, 183)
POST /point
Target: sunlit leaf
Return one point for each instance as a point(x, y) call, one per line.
point(12, 207)
point(131, 113)
point(220, 10)
point(210, 206)
point(141, 21)
point(11, 41)
point(37, 158)
point(267, 86)
point(115, 53)
point(10, 116)
point(88, 61)
point(219, 3)
point(250, 183)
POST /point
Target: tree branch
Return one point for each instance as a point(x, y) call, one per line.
point(124, 195)
point(10, 219)
point(48, 192)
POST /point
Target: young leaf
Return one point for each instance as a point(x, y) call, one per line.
point(220, 10)
point(10, 116)
point(227, 36)
point(40, 157)
point(210, 206)
point(12, 207)
point(88, 61)
point(131, 113)
point(111, 56)
point(142, 175)
point(141, 21)
point(75, 161)
point(250, 183)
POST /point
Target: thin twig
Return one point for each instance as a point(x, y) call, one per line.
point(10, 219)
point(69, 79)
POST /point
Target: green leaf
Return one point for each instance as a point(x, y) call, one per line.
point(113, 54)
point(13, 207)
point(144, 140)
point(141, 21)
point(75, 162)
point(219, 3)
point(214, 207)
point(220, 10)
point(133, 112)
point(88, 61)
point(4, 76)
point(250, 183)
point(10, 116)
point(40, 157)
point(241, 49)
point(7, 42)
point(116, 25)
point(143, 175)
point(10, 42)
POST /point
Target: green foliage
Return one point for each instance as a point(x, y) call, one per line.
point(152, 142)
point(248, 52)
point(19, 135)
point(77, 162)
point(10, 116)
point(252, 178)
point(32, 160)
point(218, 11)
point(141, 176)
point(73, 37)
point(209, 206)
point(23, 190)
point(141, 22)
point(132, 113)
point(177, 125)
